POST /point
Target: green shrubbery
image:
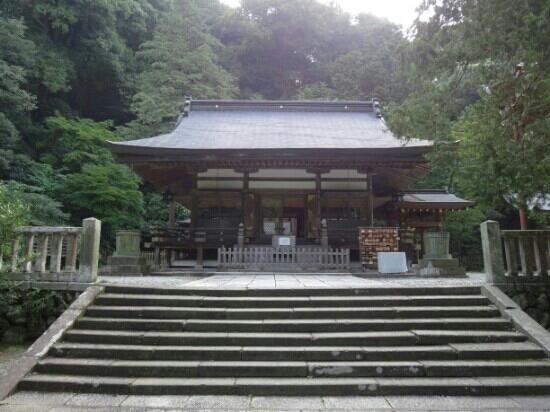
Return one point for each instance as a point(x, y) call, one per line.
point(26, 313)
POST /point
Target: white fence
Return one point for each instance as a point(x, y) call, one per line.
point(283, 258)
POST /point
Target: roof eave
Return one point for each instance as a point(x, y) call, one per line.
point(128, 149)
point(435, 205)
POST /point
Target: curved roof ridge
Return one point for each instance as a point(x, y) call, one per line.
point(267, 125)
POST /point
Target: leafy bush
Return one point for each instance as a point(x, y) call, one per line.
point(13, 213)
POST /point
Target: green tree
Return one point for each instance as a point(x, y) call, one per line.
point(279, 46)
point(108, 192)
point(369, 69)
point(13, 213)
point(476, 72)
point(499, 159)
point(16, 60)
point(316, 91)
point(179, 61)
point(68, 144)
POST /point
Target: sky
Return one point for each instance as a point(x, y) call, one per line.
point(397, 11)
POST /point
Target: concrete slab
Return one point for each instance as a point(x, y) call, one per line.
point(93, 399)
point(38, 398)
point(217, 402)
point(102, 409)
point(25, 408)
point(31, 402)
point(284, 403)
point(169, 402)
point(422, 403)
point(363, 403)
point(532, 402)
point(285, 281)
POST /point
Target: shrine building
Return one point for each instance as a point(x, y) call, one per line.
point(295, 169)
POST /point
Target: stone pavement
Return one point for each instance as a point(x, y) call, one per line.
point(287, 281)
point(65, 402)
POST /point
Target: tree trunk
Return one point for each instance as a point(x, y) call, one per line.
point(523, 220)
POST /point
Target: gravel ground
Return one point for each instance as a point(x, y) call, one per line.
point(8, 355)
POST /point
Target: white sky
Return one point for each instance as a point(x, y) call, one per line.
point(398, 11)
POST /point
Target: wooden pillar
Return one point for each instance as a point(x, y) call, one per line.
point(370, 201)
point(244, 194)
point(318, 211)
point(172, 214)
point(172, 223)
point(200, 259)
point(194, 204)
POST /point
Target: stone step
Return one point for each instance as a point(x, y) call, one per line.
point(295, 369)
point(413, 337)
point(160, 312)
point(267, 292)
point(377, 341)
point(292, 325)
point(111, 299)
point(518, 385)
point(478, 351)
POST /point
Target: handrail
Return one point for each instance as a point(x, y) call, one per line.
point(56, 253)
point(526, 253)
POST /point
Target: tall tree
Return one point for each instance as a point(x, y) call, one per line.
point(16, 60)
point(180, 60)
point(480, 69)
point(281, 45)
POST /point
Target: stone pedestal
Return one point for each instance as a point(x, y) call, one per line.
point(437, 261)
point(127, 260)
point(436, 245)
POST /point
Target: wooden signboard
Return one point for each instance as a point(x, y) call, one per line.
point(376, 239)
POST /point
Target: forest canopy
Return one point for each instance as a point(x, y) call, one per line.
point(74, 73)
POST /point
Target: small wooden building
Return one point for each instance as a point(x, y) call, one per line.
point(286, 168)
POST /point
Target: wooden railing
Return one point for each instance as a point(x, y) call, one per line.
point(526, 253)
point(283, 258)
point(56, 253)
point(176, 237)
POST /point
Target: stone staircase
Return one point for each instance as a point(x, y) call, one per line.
point(378, 341)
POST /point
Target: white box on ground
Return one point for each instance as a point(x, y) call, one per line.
point(283, 241)
point(392, 262)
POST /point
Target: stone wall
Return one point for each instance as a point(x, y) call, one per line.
point(26, 313)
point(533, 298)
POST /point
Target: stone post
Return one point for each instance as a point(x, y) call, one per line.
point(89, 250)
point(491, 243)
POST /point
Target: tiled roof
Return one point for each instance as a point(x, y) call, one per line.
point(211, 125)
point(433, 198)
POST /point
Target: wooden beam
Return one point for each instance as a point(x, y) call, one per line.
point(172, 214)
point(370, 201)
